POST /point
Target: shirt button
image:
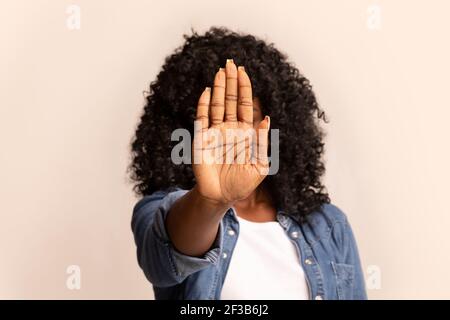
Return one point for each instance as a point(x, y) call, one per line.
point(231, 232)
point(318, 298)
point(224, 255)
point(308, 262)
point(294, 234)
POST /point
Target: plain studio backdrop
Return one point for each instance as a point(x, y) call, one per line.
point(72, 79)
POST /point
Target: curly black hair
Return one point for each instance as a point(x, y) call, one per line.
point(284, 93)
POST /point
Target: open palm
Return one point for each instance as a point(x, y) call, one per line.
point(229, 162)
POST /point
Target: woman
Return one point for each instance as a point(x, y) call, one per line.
point(221, 230)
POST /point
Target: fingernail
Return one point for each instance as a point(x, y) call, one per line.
point(229, 60)
point(207, 89)
point(221, 69)
point(241, 68)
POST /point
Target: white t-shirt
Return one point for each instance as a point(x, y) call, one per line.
point(264, 265)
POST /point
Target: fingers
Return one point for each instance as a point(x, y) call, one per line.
point(245, 101)
point(232, 96)
point(217, 107)
point(203, 109)
point(231, 91)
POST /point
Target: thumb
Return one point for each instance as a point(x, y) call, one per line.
point(262, 131)
point(265, 123)
point(262, 138)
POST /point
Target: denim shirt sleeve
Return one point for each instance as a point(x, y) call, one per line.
point(343, 235)
point(162, 264)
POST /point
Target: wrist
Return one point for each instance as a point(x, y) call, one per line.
point(218, 203)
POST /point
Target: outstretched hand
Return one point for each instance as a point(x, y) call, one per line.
point(229, 163)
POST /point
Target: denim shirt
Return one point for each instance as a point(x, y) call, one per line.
point(325, 244)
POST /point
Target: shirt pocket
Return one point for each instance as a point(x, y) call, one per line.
point(344, 275)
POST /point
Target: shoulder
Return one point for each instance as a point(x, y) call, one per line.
point(329, 220)
point(327, 216)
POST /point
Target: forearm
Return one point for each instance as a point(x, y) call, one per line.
point(193, 222)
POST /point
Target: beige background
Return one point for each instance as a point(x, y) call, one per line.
point(70, 100)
